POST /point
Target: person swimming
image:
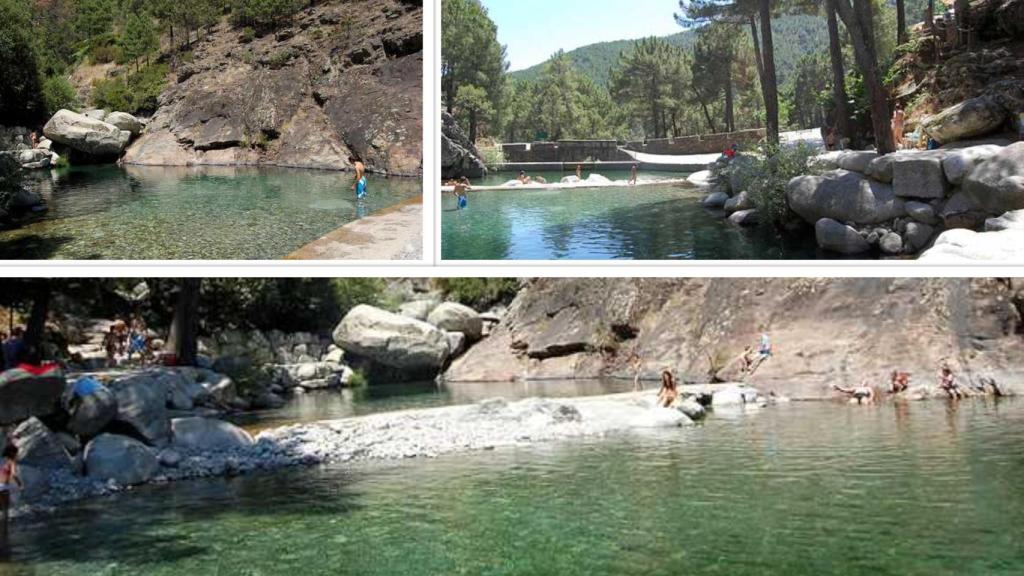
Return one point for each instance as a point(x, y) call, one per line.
point(523, 178)
point(863, 394)
point(360, 182)
point(461, 187)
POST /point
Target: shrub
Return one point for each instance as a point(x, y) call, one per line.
point(10, 179)
point(133, 93)
point(358, 380)
point(770, 175)
point(492, 156)
point(248, 35)
point(264, 15)
point(57, 94)
point(280, 58)
point(351, 292)
point(105, 54)
point(478, 292)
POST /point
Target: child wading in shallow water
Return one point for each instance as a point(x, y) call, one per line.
point(9, 478)
point(360, 184)
point(460, 192)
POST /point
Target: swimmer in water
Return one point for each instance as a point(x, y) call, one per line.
point(360, 182)
point(461, 187)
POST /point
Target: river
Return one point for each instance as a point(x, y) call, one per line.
point(178, 213)
point(799, 489)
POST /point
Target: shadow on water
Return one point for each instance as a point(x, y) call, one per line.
point(165, 524)
point(35, 247)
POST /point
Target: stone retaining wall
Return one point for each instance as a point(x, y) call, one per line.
point(564, 151)
point(701, 144)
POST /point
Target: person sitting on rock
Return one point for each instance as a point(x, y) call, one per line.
point(461, 187)
point(947, 382)
point(669, 393)
point(137, 340)
point(899, 382)
point(33, 140)
point(863, 394)
point(748, 359)
point(359, 185)
point(9, 479)
point(523, 178)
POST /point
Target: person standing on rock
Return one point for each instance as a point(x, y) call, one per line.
point(579, 172)
point(637, 369)
point(632, 175)
point(360, 183)
point(9, 479)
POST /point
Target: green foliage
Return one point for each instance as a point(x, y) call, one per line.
point(248, 35)
point(649, 81)
point(764, 176)
point(139, 38)
point(134, 93)
point(280, 59)
point(20, 79)
point(351, 292)
point(94, 17)
point(478, 293)
point(492, 156)
point(58, 94)
point(471, 55)
point(105, 53)
point(264, 15)
point(358, 379)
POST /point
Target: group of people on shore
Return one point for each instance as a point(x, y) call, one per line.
point(127, 339)
point(12, 347)
point(899, 382)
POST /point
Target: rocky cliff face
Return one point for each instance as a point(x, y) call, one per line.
point(344, 79)
point(824, 331)
point(459, 156)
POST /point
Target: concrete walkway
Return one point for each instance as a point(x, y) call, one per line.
point(395, 233)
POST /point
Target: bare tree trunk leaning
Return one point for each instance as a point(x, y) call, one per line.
point(769, 86)
point(858, 21)
point(839, 96)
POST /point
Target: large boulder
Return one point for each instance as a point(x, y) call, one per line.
point(919, 176)
point(715, 200)
point(86, 135)
point(124, 460)
point(844, 196)
point(459, 156)
point(975, 117)
point(91, 406)
point(455, 317)
point(142, 407)
point(418, 309)
point(997, 185)
point(392, 341)
point(749, 217)
point(24, 394)
point(959, 163)
point(125, 121)
point(857, 161)
point(38, 446)
point(741, 201)
point(208, 434)
point(839, 237)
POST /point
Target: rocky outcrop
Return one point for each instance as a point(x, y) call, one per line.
point(974, 117)
point(24, 394)
point(844, 196)
point(142, 408)
point(208, 434)
point(412, 348)
point(997, 185)
point(824, 331)
point(346, 82)
point(89, 414)
point(39, 447)
point(86, 135)
point(459, 156)
point(124, 460)
point(125, 121)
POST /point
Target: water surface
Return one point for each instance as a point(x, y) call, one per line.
point(176, 213)
point(803, 489)
point(656, 222)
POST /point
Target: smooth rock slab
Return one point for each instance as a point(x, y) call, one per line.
point(839, 237)
point(966, 246)
point(1009, 221)
point(959, 163)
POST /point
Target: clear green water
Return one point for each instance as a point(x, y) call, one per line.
point(211, 213)
point(802, 489)
point(646, 223)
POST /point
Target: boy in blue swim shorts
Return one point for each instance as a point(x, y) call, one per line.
point(360, 184)
point(460, 193)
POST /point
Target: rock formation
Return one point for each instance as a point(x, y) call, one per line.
point(344, 81)
point(459, 156)
point(824, 331)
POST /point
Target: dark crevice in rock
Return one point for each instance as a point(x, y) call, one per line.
point(558, 350)
point(624, 332)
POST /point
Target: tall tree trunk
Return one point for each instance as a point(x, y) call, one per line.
point(472, 127)
point(36, 328)
point(449, 89)
point(901, 22)
point(839, 96)
point(730, 120)
point(707, 114)
point(182, 339)
point(757, 50)
point(963, 26)
point(858, 20)
point(770, 86)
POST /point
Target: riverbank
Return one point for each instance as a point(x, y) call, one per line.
point(395, 233)
point(217, 449)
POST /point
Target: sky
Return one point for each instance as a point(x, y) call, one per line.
point(533, 30)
